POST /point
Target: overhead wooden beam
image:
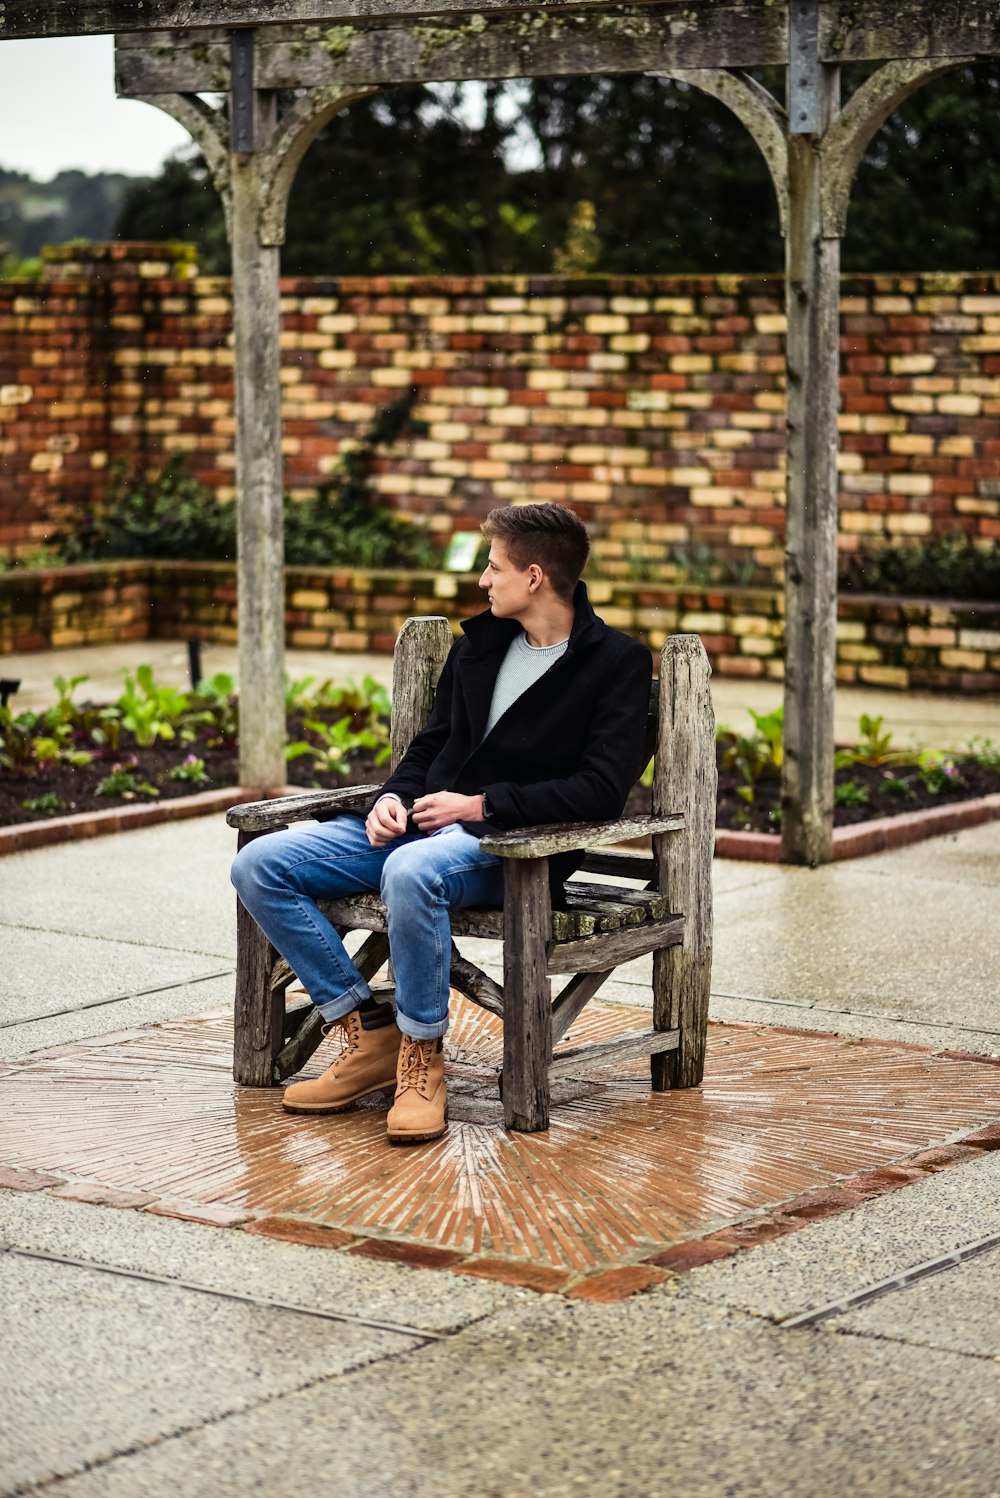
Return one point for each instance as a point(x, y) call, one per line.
point(633, 39)
point(878, 30)
point(39, 18)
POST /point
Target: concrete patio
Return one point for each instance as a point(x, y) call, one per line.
point(211, 1297)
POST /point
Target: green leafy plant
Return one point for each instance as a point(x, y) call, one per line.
point(985, 753)
point(898, 785)
point(757, 755)
point(938, 772)
point(169, 516)
point(49, 802)
point(849, 793)
point(191, 769)
point(944, 567)
point(874, 746)
point(152, 712)
point(343, 522)
point(122, 781)
point(214, 707)
point(17, 739)
point(333, 743)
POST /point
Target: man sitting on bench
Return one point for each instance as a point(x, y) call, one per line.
point(539, 717)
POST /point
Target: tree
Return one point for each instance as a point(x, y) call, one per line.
point(403, 183)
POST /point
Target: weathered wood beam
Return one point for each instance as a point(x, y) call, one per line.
point(527, 1026)
point(812, 302)
point(876, 31)
point(685, 776)
point(37, 18)
point(637, 38)
point(880, 30)
point(260, 492)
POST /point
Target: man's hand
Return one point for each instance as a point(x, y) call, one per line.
point(385, 822)
point(444, 808)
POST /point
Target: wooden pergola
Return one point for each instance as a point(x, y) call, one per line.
point(333, 52)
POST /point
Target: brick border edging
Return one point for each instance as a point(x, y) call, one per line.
point(877, 836)
point(22, 836)
point(604, 1286)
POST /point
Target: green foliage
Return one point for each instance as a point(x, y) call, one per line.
point(149, 711)
point(849, 793)
point(72, 205)
point(342, 523)
point(874, 746)
point(171, 516)
point(29, 743)
point(757, 755)
point(944, 567)
point(49, 802)
point(191, 769)
point(174, 517)
point(122, 781)
point(13, 268)
point(331, 745)
point(938, 772)
point(698, 565)
point(898, 785)
point(403, 183)
point(582, 249)
point(214, 708)
point(984, 753)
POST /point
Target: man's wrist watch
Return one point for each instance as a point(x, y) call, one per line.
point(487, 808)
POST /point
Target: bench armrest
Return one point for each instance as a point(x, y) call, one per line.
point(566, 837)
point(264, 816)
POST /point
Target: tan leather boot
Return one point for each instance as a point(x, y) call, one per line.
point(420, 1111)
point(366, 1063)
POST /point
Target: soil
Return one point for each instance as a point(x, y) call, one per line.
point(76, 786)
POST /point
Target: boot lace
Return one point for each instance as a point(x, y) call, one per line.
point(346, 1034)
point(414, 1059)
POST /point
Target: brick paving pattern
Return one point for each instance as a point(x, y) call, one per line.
point(626, 1185)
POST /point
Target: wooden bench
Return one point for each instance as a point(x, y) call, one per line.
point(587, 936)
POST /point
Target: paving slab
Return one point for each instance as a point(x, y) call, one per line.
point(165, 886)
point(235, 1262)
point(47, 972)
point(846, 938)
point(957, 1311)
point(102, 1364)
point(969, 860)
point(649, 1398)
point(158, 1005)
point(850, 1252)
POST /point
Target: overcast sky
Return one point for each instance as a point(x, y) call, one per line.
point(58, 109)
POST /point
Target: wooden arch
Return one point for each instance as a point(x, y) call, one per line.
point(170, 51)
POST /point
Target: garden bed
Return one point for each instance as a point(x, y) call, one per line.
point(157, 754)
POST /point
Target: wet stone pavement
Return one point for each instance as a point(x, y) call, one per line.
point(603, 1305)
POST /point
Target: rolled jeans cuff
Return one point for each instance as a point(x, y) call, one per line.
point(416, 1031)
point(334, 1009)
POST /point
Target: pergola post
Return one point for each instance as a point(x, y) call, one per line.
point(812, 298)
point(259, 476)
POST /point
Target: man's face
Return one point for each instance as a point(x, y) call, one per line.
point(508, 590)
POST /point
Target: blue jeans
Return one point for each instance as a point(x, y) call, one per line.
point(279, 878)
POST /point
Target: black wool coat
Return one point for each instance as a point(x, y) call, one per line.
point(567, 750)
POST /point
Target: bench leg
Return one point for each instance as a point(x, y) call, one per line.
point(259, 1013)
point(527, 1025)
point(685, 781)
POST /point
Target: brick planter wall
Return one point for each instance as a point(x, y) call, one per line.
point(888, 642)
point(654, 405)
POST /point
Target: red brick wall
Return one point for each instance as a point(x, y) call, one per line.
point(887, 642)
point(654, 406)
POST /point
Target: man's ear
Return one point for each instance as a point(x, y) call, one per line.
point(535, 576)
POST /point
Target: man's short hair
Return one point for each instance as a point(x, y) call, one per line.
point(548, 534)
